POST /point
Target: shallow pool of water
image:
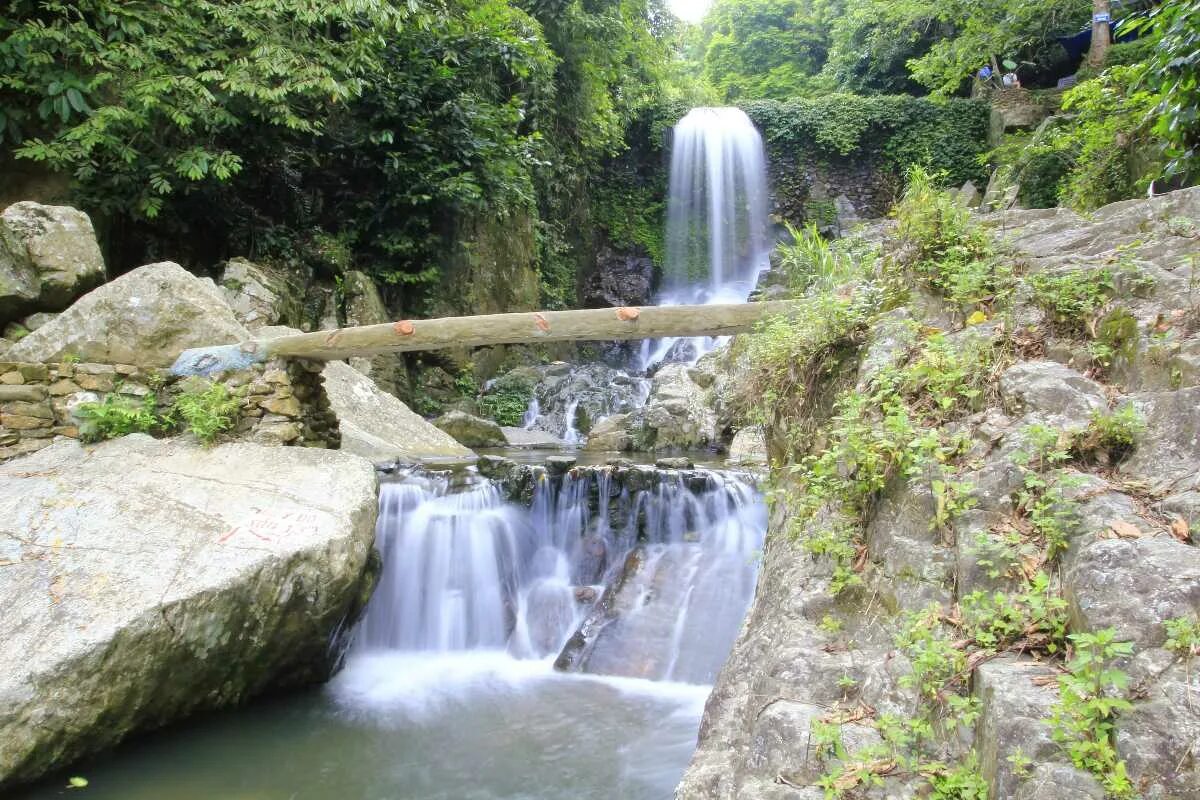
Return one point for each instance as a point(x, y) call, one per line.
point(468, 726)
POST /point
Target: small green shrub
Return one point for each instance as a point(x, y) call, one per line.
point(953, 254)
point(810, 262)
point(506, 400)
point(1082, 720)
point(1073, 298)
point(1183, 636)
point(1036, 617)
point(1114, 432)
point(116, 415)
point(963, 782)
point(207, 411)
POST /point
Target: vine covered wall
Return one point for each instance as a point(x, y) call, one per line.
point(859, 147)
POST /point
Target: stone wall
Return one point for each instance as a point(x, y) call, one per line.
point(832, 193)
point(282, 402)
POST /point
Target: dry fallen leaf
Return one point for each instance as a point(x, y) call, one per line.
point(1181, 530)
point(1125, 530)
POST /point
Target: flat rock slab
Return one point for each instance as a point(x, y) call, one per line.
point(142, 580)
point(379, 427)
point(521, 437)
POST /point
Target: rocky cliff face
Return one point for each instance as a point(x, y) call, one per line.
point(1018, 612)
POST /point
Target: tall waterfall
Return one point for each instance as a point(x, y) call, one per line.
point(716, 218)
point(466, 570)
point(716, 207)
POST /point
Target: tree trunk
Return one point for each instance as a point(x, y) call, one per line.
point(1100, 34)
point(599, 324)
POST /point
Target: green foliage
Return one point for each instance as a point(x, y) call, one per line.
point(982, 32)
point(1083, 718)
point(116, 415)
point(1100, 152)
point(1044, 495)
point(632, 212)
point(953, 255)
point(1035, 617)
point(810, 262)
point(506, 400)
point(356, 133)
point(892, 132)
point(1073, 297)
point(206, 411)
point(963, 782)
point(938, 663)
point(1116, 432)
point(1174, 75)
point(755, 49)
point(1183, 636)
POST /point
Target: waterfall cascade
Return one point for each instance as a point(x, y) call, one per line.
point(466, 570)
point(716, 218)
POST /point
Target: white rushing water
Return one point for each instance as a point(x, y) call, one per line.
point(716, 219)
point(464, 570)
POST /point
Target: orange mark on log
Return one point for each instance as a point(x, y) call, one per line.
point(332, 338)
point(403, 328)
point(626, 314)
point(541, 323)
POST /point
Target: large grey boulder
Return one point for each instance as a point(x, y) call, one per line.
point(1053, 392)
point(262, 294)
point(145, 317)
point(1015, 713)
point(679, 413)
point(470, 430)
point(378, 426)
point(1158, 737)
point(146, 580)
point(1133, 586)
point(1168, 450)
point(48, 257)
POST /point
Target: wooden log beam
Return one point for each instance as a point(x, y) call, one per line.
point(523, 327)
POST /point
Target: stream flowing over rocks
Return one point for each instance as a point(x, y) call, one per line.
point(145, 580)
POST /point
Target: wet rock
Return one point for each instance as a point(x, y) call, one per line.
point(678, 462)
point(154, 579)
point(611, 433)
point(619, 278)
point(572, 399)
point(679, 414)
point(471, 431)
point(1052, 391)
point(558, 465)
point(262, 294)
point(145, 317)
point(48, 257)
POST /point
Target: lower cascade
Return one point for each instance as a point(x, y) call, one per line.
point(607, 573)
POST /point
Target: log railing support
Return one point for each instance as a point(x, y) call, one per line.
point(522, 327)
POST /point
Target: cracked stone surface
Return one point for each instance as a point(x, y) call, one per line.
point(143, 580)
